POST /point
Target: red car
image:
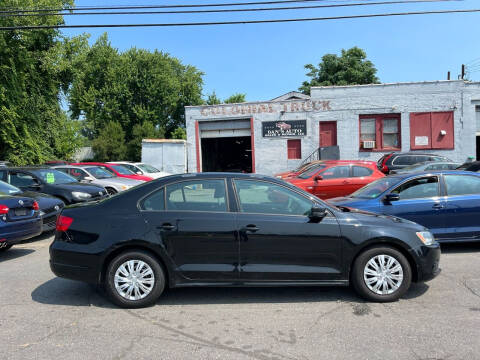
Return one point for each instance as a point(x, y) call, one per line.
point(335, 178)
point(119, 170)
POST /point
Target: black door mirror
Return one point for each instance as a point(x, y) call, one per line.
point(391, 197)
point(318, 177)
point(317, 214)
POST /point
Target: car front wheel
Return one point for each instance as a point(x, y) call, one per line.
point(5, 248)
point(381, 274)
point(134, 279)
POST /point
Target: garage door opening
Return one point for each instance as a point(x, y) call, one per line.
point(233, 154)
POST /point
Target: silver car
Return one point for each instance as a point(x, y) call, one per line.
point(99, 175)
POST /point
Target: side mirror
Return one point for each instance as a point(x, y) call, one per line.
point(88, 178)
point(317, 214)
point(318, 177)
point(391, 197)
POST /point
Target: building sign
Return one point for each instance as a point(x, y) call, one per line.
point(272, 107)
point(284, 128)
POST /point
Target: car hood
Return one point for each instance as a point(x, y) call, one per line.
point(77, 186)
point(157, 175)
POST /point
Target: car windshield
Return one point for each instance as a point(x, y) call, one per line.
point(54, 177)
point(376, 188)
point(7, 189)
point(147, 168)
point(309, 172)
point(100, 172)
point(122, 170)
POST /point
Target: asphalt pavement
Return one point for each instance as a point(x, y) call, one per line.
point(44, 317)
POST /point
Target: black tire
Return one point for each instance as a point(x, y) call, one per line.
point(5, 248)
point(158, 282)
point(111, 191)
point(358, 274)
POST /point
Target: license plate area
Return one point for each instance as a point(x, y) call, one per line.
point(20, 212)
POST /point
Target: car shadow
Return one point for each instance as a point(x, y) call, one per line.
point(42, 236)
point(14, 253)
point(65, 292)
point(460, 248)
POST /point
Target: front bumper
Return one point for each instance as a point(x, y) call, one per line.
point(428, 261)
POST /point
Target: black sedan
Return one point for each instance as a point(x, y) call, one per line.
point(49, 206)
point(52, 182)
point(19, 220)
point(225, 229)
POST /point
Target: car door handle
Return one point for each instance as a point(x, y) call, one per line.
point(251, 227)
point(166, 226)
point(438, 206)
point(345, 182)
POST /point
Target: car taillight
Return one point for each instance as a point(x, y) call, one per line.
point(384, 163)
point(4, 209)
point(35, 206)
point(63, 223)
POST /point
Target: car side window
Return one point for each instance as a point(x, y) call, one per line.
point(462, 185)
point(21, 179)
point(197, 195)
point(359, 171)
point(154, 202)
point(261, 197)
point(336, 172)
point(418, 188)
point(78, 174)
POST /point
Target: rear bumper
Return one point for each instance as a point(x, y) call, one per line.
point(15, 232)
point(428, 261)
point(68, 261)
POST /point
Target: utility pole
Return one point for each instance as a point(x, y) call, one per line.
point(463, 71)
point(448, 75)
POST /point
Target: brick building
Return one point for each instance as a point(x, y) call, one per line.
point(365, 121)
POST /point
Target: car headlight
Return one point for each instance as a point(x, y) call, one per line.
point(81, 195)
point(426, 237)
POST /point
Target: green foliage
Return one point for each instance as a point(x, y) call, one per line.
point(351, 68)
point(213, 99)
point(145, 130)
point(235, 98)
point(131, 87)
point(179, 133)
point(110, 143)
point(33, 127)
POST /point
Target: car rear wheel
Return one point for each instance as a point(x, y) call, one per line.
point(5, 248)
point(381, 274)
point(134, 279)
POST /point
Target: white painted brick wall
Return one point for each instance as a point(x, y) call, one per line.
point(347, 103)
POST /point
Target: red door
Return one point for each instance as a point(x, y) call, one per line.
point(328, 133)
point(335, 181)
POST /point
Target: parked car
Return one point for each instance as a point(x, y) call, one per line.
point(427, 166)
point(52, 182)
point(470, 166)
point(298, 170)
point(119, 170)
point(142, 169)
point(399, 160)
point(4, 163)
point(224, 229)
point(49, 206)
point(99, 175)
point(333, 178)
point(446, 202)
point(19, 220)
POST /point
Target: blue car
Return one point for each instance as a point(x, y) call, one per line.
point(446, 202)
point(19, 220)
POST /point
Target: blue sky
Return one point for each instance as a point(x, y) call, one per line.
point(266, 60)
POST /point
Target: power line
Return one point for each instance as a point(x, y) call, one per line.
point(139, 7)
point(38, 27)
point(75, 12)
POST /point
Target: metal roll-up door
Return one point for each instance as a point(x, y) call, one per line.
point(224, 128)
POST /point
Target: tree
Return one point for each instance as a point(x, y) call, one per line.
point(351, 68)
point(145, 130)
point(212, 99)
point(33, 126)
point(110, 143)
point(235, 98)
point(131, 88)
point(179, 133)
